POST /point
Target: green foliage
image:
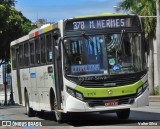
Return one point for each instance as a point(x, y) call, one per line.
point(156, 91)
point(12, 26)
point(142, 8)
point(8, 2)
point(26, 27)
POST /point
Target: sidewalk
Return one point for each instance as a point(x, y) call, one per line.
point(2, 96)
point(154, 98)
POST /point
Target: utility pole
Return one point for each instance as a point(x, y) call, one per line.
point(5, 83)
point(158, 40)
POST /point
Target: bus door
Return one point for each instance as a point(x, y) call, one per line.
point(44, 81)
point(58, 71)
point(18, 74)
point(33, 75)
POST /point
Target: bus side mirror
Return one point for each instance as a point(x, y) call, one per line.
point(57, 53)
point(146, 47)
point(58, 49)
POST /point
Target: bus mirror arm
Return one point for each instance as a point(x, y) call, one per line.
point(57, 53)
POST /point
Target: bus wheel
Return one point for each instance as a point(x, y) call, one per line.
point(30, 112)
point(59, 115)
point(123, 114)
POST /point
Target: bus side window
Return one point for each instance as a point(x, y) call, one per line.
point(49, 45)
point(31, 46)
point(43, 49)
point(26, 54)
point(21, 55)
point(37, 50)
point(14, 57)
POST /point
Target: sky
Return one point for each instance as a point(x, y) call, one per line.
point(54, 10)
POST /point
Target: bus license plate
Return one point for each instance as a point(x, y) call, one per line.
point(111, 103)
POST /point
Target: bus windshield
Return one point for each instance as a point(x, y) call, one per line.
point(109, 54)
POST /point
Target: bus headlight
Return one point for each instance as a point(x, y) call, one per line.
point(74, 93)
point(142, 88)
point(79, 96)
point(139, 91)
point(71, 91)
point(145, 85)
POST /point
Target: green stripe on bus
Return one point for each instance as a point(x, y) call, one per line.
point(110, 91)
point(52, 76)
point(101, 15)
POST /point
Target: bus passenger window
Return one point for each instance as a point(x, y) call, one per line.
point(43, 57)
point(32, 53)
point(37, 49)
point(21, 55)
point(26, 55)
point(49, 48)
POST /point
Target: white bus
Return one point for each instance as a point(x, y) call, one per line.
point(83, 64)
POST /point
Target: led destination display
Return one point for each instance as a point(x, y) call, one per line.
point(84, 24)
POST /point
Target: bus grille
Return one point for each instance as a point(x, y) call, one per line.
point(93, 102)
point(121, 101)
point(117, 80)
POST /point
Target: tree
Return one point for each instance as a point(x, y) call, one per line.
point(158, 39)
point(145, 8)
point(9, 3)
point(12, 26)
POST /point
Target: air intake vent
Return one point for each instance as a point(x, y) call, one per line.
point(115, 80)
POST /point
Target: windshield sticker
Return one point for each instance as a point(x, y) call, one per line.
point(116, 68)
point(33, 75)
point(85, 68)
point(112, 61)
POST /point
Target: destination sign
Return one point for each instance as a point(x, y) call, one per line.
point(101, 23)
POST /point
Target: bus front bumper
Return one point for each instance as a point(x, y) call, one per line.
point(75, 105)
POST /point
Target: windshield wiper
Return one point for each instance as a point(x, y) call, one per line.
point(121, 38)
point(88, 38)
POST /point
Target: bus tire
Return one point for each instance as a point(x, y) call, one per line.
point(30, 112)
point(123, 114)
point(60, 117)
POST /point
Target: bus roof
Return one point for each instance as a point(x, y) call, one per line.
point(24, 38)
point(104, 15)
point(43, 29)
point(48, 27)
point(38, 31)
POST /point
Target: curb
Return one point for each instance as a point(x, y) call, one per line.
point(154, 98)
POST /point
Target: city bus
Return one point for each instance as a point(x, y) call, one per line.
point(94, 63)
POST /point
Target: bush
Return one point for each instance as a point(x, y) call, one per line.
point(156, 91)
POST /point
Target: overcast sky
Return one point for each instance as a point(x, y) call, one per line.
point(54, 10)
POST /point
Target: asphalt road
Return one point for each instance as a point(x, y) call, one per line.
point(144, 118)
